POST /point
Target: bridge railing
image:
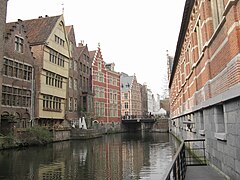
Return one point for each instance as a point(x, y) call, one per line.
point(137, 117)
point(189, 153)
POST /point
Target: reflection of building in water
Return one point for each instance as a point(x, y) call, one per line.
point(132, 165)
point(81, 155)
point(108, 160)
point(52, 171)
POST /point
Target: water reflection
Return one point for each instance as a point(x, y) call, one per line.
point(113, 157)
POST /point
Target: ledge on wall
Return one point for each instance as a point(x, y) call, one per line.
point(220, 136)
point(202, 132)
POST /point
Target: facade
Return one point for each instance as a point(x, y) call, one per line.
point(144, 99)
point(131, 101)
point(204, 83)
point(106, 88)
point(17, 83)
point(49, 43)
point(86, 104)
point(3, 14)
point(73, 90)
point(150, 99)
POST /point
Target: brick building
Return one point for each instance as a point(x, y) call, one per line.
point(205, 82)
point(106, 87)
point(79, 91)
point(86, 104)
point(3, 13)
point(131, 100)
point(17, 83)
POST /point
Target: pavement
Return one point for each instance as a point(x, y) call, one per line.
point(203, 173)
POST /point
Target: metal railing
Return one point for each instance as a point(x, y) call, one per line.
point(195, 152)
point(189, 153)
point(177, 168)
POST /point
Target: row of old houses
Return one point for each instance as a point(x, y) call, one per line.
point(50, 80)
point(204, 81)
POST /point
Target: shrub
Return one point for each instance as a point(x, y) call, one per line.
point(39, 135)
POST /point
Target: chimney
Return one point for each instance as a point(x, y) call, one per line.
point(81, 43)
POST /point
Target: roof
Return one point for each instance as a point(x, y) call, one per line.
point(38, 30)
point(126, 82)
point(185, 20)
point(92, 54)
point(80, 49)
point(68, 28)
point(9, 27)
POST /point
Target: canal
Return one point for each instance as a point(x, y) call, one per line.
point(112, 157)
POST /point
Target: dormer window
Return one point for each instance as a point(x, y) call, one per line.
point(18, 44)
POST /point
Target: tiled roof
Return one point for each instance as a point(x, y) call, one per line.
point(80, 50)
point(92, 54)
point(38, 30)
point(68, 28)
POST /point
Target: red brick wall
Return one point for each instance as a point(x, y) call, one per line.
point(219, 48)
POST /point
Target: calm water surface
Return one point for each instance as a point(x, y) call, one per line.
point(112, 157)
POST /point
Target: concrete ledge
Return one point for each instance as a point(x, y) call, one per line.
point(220, 136)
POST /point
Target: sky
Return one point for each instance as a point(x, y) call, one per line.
point(133, 34)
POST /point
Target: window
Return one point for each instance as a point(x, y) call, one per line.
point(113, 110)
point(111, 80)
point(75, 65)
point(75, 104)
point(12, 96)
point(101, 92)
point(56, 58)
point(99, 65)
point(201, 119)
point(70, 82)
point(53, 56)
point(59, 40)
point(219, 122)
point(125, 96)
point(75, 84)
point(80, 67)
point(96, 91)
point(53, 79)
point(190, 56)
point(70, 104)
point(17, 69)
point(18, 44)
point(100, 109)
point(114, 81)
point(70, 64)
point(217, 7)
point(126, 105)
point(199, 37)
point(51, 103)
point(101, 78)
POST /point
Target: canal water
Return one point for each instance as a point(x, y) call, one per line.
point(125, 156)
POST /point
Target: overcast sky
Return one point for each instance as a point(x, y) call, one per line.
point(134, 34)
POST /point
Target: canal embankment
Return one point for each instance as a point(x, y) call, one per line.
point(38, 135)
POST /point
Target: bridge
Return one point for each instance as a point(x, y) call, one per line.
point(139, 120)
point(150, 123)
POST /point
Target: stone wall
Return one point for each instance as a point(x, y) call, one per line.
point(61, 135)
point(220, 128)
point(162, 125)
